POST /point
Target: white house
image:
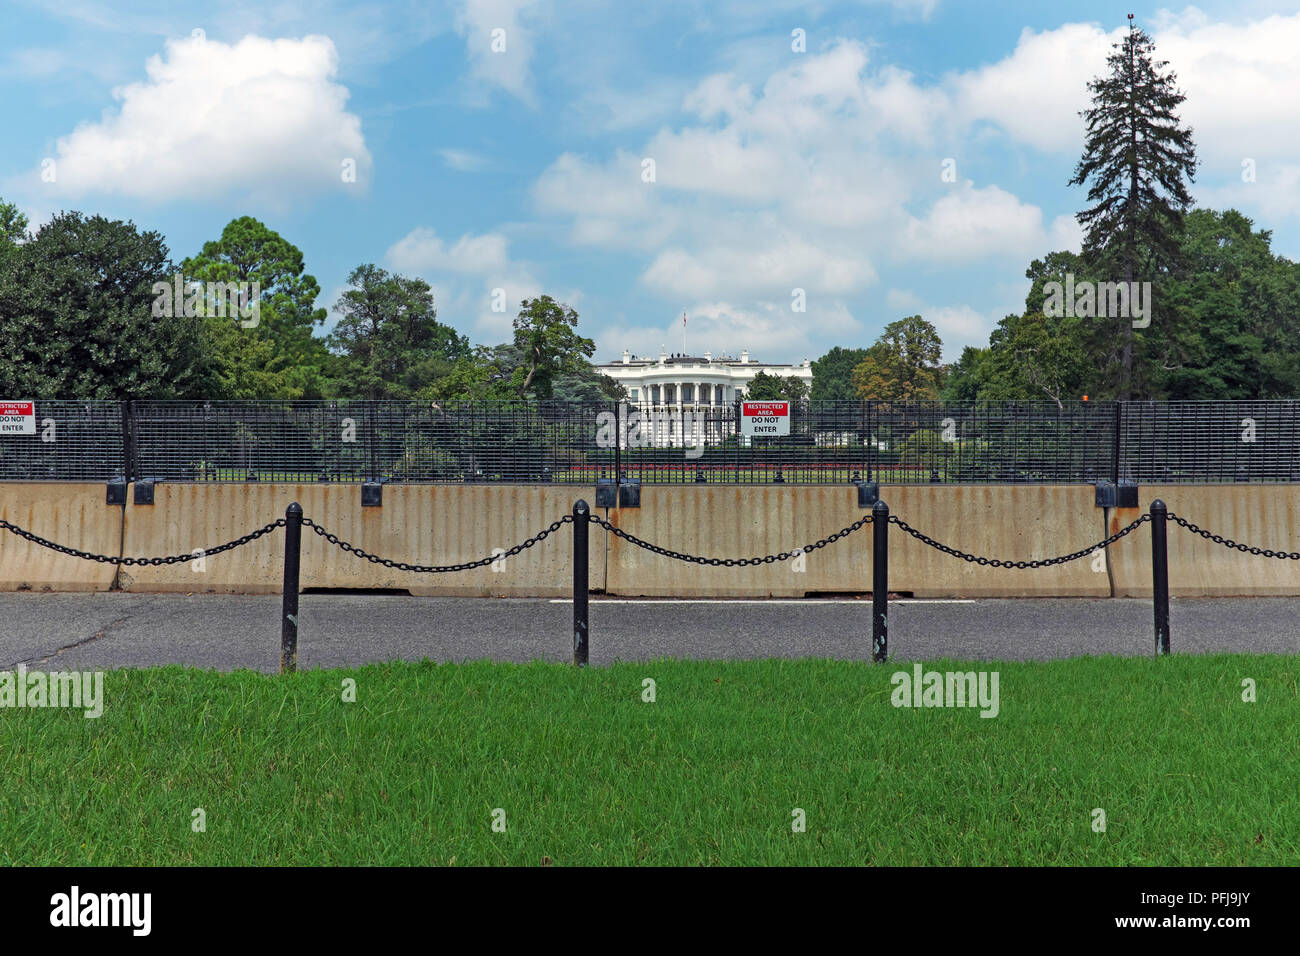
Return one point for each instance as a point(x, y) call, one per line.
point(690, 380)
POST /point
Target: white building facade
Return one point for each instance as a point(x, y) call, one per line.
point(690, 380)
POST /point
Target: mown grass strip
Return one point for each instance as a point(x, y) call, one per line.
point(587, 773)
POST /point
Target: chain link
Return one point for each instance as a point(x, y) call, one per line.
point(646, 545)
point(995, 563)
point(438, 568)
point(130, 562)
point(1229, 543)
point(729, 562)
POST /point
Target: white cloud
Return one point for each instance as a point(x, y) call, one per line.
point(1035, 93)
point(486, 24)
point(775, 267)
point(1242, 82)
point(903, 301)
point(959, 326)
point(463, 160)
point(972, 223)
point(769, 330)
point(466, 275)
point(261, 116)
point(422, 251)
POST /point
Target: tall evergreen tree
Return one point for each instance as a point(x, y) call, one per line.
point(280, 357)
point(389, 337)
point(1135, 160)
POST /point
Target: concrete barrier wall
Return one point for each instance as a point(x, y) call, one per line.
point(69, 513)
point(739, 521)
point(417, 524)
point(1012, 522)
point(1008, 522)
point(1265, 516)
point(445, 524)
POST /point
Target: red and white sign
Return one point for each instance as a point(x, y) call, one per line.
point(17, 418)
point(761, 419)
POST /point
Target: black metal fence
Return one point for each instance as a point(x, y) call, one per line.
point(552, 442)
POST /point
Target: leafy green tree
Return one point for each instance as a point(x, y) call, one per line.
point(485, 375)
point(1033, 357)
point(13, 229)
point(77, 316)
point(903, 364)
point(549, 346)
point(833, 375)
point(295, 365)
point(765, 387)
point(389, 337)
point(1136, 156)
point(966, 381)
point(587, 385)
point(1235, 315)
point(13, 224)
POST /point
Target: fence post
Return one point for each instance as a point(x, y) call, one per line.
point(1160, 574)
point(130, 454)
point(289, 614)
point(618, 443)
point(581, 521)
point(1116, 445)
point(373, 438)
point(879, 582)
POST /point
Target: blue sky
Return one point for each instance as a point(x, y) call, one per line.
point(525, 169)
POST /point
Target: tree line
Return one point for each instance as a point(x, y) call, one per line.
point(79, 306)
point(80, 311)
point(1224, 309)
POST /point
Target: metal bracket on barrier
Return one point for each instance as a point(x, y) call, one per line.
point(372, 494)
point(629, 494)
point(116, 492)
point(868, 493)
point(606, 495)
point(1123, 495)
point(142, 492)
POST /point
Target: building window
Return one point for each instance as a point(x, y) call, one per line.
point(633, 394)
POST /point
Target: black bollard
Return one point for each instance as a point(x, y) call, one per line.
point(879, 582)
point(292, 562)
point(581, 522)
point(1160, 574)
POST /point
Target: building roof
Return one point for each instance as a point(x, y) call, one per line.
point(679, 359)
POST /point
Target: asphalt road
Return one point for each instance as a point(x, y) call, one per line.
point(90, 631)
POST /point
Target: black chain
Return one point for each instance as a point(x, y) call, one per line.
point(438, 568)
point(730, 562)
point(1229, 543)
point(113, 559)
point(995, 563)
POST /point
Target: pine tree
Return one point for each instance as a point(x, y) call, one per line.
point(1136, 157)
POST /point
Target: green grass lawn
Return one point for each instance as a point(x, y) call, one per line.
point(587, 773)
